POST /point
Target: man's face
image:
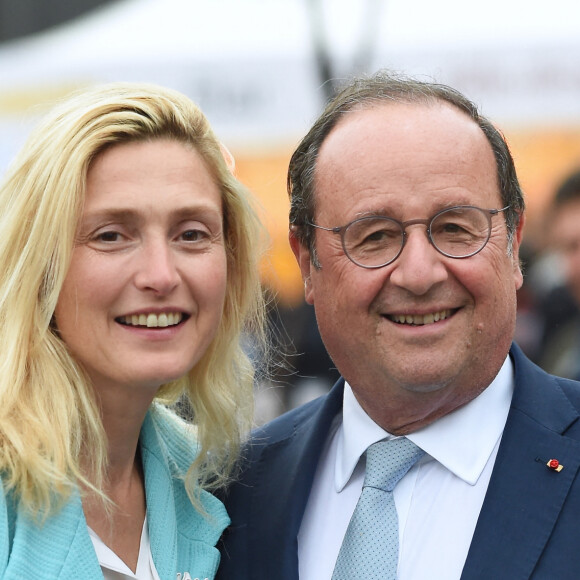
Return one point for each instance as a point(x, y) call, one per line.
point(409, 162)
point(566, 237)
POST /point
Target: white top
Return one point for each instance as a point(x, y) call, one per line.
point(438, 501)
point(115, 569)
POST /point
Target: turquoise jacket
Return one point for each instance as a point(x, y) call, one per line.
point(182, 540)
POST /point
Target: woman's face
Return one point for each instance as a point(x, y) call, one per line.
point(145, 291)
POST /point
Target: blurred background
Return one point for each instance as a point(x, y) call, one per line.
point(261, 70)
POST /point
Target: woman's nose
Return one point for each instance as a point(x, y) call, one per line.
point(156, 270)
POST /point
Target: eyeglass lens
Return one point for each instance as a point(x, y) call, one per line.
point(457, 232)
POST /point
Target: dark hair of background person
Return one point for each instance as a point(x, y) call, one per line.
point(568, 190)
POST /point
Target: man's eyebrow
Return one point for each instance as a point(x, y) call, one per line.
point(387, 212)
point(380, 212)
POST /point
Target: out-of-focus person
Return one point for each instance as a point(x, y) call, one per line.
point(128, 273)
point(560, 309)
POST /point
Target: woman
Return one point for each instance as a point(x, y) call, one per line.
point(128, 265)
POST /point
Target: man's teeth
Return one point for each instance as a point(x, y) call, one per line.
point(153, 320)
point(420, 319)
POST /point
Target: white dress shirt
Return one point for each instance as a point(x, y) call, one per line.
point(438, 501)
point(115, 569)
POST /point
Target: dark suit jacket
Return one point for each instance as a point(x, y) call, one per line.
point(529, 525)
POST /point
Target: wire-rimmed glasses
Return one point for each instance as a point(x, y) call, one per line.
point(376, 241)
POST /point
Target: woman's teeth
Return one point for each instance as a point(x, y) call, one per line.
point(421, 319)
point(152, 320)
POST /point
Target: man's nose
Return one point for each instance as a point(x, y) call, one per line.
point(419, 266)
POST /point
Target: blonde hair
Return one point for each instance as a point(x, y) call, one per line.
point(47, 409)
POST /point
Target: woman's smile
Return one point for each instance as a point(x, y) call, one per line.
point(153, 320)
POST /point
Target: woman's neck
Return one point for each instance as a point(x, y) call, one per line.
point(121, 525)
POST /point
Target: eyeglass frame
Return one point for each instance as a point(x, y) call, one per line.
point(488, 213)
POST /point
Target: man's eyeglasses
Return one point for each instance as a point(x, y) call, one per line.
point(376, 241)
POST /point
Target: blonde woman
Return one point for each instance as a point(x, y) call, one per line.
point(128, 273)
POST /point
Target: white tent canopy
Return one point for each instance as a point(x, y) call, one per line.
point(250, 64)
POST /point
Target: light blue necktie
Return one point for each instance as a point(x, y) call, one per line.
point(370, 549)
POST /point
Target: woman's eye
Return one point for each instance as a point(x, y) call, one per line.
point(108, 236)
point(194, 236)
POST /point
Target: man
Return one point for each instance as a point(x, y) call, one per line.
point(407, 219)
point(561, 340)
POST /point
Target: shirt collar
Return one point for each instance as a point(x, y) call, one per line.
point(461, 441)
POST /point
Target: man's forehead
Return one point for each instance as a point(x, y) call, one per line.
point(392, 149)
point(388, 122)
point(390, 129)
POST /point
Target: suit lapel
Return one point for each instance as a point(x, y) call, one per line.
point(525, 497)
point(284, 486)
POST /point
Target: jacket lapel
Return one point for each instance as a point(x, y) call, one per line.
point(284, 488)
point(525, 496)
point(60, 548)
point(182, 540)
point(160, 503)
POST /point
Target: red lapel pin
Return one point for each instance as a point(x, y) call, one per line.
point(555, 465)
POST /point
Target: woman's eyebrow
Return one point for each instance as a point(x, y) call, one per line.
point(132, 215)
point(93, 217)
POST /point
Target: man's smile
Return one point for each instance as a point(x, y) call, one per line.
point(421, 319)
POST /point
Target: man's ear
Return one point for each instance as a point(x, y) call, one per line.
point(302, 255)
point(516, 242)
